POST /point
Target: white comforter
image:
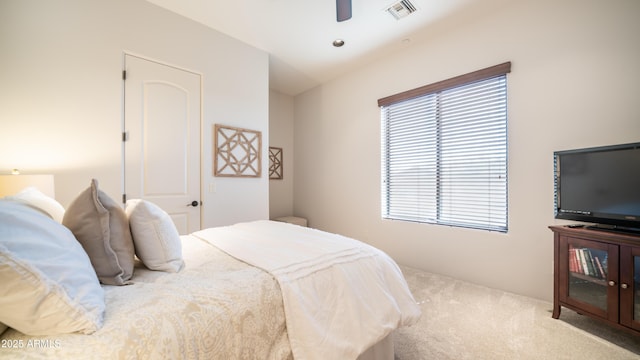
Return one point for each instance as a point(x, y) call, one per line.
point(215, 308)
point(340, 295)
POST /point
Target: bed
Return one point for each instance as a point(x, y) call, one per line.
point(254, 290)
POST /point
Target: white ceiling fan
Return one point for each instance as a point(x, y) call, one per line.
point(343, 10)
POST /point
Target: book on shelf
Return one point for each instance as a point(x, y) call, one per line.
point(601, 268)
point(584, 261)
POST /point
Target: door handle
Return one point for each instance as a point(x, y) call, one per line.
point(193, 203)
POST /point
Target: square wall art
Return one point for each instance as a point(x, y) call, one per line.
point(237, 152)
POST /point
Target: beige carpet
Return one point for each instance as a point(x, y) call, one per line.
point(461, 320)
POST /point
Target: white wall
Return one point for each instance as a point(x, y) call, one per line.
point(61, 93)
point(574, 83)
point(281, 126)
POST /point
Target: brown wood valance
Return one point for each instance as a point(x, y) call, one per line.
point(486, 73)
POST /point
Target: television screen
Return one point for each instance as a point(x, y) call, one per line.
point(599, 185)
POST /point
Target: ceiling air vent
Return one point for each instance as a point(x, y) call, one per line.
point(401, 9)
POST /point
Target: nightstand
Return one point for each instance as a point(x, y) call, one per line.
point(293, 220)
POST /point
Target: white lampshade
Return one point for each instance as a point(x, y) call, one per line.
point(13, 184)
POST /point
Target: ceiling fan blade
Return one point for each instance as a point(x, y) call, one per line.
point(343, 10)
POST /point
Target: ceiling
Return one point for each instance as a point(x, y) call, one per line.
point(298, 34)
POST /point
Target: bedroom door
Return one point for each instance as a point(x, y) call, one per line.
point(161, 148)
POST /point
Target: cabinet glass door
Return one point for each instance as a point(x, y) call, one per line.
point(588, 269)
point(636, 288)
point(630, 286)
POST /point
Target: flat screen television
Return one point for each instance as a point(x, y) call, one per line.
point(599, 185)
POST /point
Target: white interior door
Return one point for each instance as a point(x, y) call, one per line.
point(162, 146)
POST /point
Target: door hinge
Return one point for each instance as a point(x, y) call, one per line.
point(124, 74)
point(124, 198)
point(125, 136)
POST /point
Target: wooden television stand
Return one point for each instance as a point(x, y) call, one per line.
point(597, 273)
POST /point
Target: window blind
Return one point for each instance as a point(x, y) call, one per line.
point(444, 156)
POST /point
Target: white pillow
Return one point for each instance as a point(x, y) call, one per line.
point(155, 236)
point(48, 284)
point(36, 198)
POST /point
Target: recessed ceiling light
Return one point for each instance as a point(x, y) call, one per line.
point(338, 42)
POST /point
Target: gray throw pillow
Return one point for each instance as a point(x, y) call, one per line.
point(102, 228)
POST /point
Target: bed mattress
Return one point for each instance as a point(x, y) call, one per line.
point(258, 290)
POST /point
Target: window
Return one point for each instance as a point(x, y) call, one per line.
point(444, 152)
